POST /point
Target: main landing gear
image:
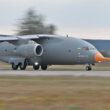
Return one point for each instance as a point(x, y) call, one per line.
point(23, 66)
point(88, 68)
point(14, 67)
point(36, 67)
point(43, 67)
point(20, 65)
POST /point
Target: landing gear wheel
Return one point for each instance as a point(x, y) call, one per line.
point(35, 67)
point(23, 67)
point(44, 67)
point(88, 68)
point(14, 67)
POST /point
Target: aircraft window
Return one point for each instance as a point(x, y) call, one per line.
point(91, 48)
point(85, 48)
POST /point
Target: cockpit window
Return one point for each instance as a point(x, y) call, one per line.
point(88, 48)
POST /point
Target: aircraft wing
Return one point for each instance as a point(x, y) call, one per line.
point(13, 39)
point(29, 37)
point(7, 38)
point(37, 37)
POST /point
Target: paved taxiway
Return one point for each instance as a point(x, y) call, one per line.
point(55, 73)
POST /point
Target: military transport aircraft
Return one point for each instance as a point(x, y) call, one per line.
point(45, 50)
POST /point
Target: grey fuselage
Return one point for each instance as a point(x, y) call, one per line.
point(56, 51)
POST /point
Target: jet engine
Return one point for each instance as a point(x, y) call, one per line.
point(29, 50)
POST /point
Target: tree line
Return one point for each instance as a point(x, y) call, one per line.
point(34, 23)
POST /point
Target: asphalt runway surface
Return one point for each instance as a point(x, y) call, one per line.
point(4, 72)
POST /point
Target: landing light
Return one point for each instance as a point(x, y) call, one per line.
point(36, 63)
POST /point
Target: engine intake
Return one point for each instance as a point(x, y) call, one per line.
point(38, 50)
point(29, 50)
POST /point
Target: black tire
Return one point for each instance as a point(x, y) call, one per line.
point(14, 67)
point(36, 67)
point(88, 68)
point(44, 67)
point(24, 66)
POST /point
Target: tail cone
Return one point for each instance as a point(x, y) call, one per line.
point(99, 58)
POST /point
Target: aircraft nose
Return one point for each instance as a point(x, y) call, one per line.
point(98, 58)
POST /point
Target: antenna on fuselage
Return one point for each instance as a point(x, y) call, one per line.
point(67, 35)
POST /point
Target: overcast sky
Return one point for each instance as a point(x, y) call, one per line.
point(78, 18)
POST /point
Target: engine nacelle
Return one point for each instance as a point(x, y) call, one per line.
point(29, 50)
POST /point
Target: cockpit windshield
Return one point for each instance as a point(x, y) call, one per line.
point(88, 48)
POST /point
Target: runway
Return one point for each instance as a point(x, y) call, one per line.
point(55, 73)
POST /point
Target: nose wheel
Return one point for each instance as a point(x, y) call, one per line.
point(88, 68)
